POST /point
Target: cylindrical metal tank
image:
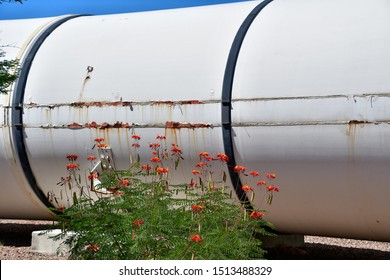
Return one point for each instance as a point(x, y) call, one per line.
point(295, 87)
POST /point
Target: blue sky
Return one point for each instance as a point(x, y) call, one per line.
point(48, 8)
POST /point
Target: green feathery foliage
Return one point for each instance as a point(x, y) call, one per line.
point(145, 217)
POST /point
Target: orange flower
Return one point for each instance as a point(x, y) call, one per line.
point(146, 167)
point(271, 175)
point(72, 157)
point(136, 137)
point(72, 166)
point(154, 145)
point(124, 182)
point(197, 208)
point(175, 149)
point(192, 184)
point(203, 154)
point(246, 188)
point(195, 172)
point(93, 176)
point(93, 248)
point(99, 140)
point(138, 223)
point(271, 188)
point(213, 188)
point(196, 238)
point(259, 183)
point(239, 169)
point(91, 158)
point(61, 208)
point(201, 164)
point(162, 170)
point(254, 173)
point(102, 145)
point(155, 159)
point(256, 215)
point(222, 157)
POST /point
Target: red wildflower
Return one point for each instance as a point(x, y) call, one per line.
point(254, 173)
point(271, 188)
point(195, 172)
point(246, 188)
point(162, 170)
point(72, 166)
point(154, 145)
point(209, 158)
point(161, 137)
point(175, 149)
point(93, 248)
point(201, 164)
point(271, 175)
point(203, 154)
point(192, 184)
point(93, 176)
point(124, 182)
point(99, 140)
point(146, 167)
point(222, 157)
point(138, 223)
point(155, 159)
point(135, 145)
point(239, 169)
point(259, 183)
point(102, 145)
point(91, 158)
point(197, 208)
point(72, 157)
point(256, 215)
point(61, 208)
point(136, 137)
point(196, 238)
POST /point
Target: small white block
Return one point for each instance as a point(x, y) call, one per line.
point(43, 242)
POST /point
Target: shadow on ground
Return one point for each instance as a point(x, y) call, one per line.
point(19, 235)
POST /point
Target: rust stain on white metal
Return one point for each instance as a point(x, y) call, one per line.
point(178, 125)
point(86, 79)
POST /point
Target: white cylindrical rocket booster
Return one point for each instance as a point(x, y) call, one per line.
point(293, 87)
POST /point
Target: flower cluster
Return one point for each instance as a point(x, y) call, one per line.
point(138, 223)
point(91, 158)
point(256, 215)
point(92, 248)
point(72, 157)
point(100, 143)
point(162, 170)
point(222, 157)
point(196, 238)
point(197, 208)
point(72, 167)
point(124, 183)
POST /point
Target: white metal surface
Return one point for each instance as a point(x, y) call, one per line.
point(310, 98)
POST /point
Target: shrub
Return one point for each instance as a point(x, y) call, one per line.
point(139, 214)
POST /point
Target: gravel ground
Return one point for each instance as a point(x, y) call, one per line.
point(15, 242)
